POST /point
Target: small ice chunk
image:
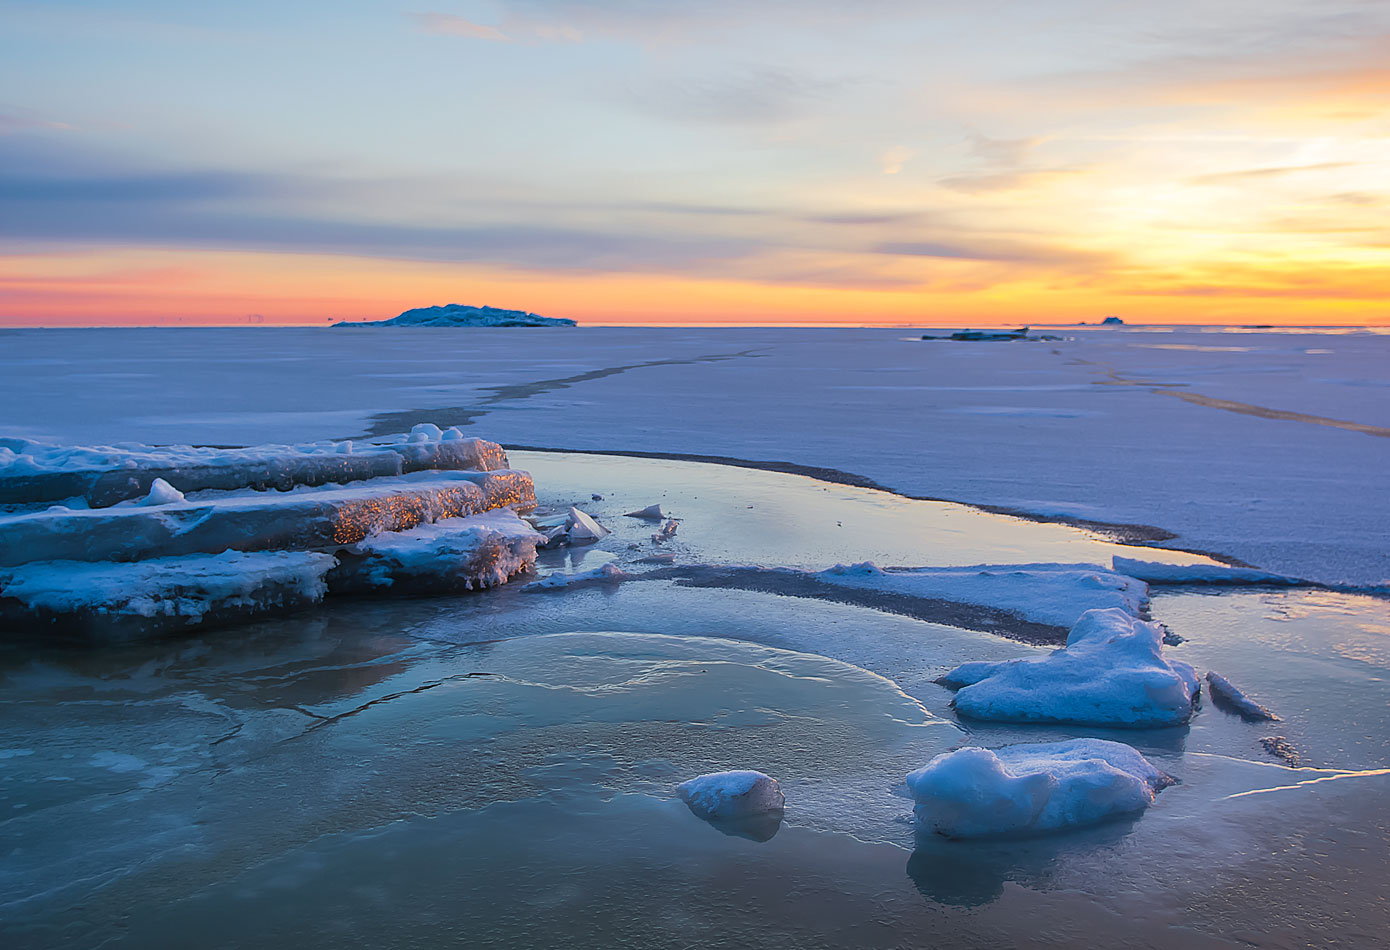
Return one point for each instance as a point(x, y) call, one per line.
point(604, 573)
point(451, 434)
point(649, 513)
point(657, 559)
point(161, 493)
point(426, 432)
point(584, 529)
point(1112, 672)
point(596, 496)
point(344, 447)
point(1230, 697)
point(1025, 789)
point(736, 794)
point(667, 532)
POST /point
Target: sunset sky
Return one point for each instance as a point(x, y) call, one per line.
point(618, 161)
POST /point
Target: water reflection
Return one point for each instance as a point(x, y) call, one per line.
point(973, 873)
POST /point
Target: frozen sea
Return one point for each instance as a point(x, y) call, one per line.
point(498, 768)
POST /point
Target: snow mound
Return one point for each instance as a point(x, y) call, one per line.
point(1156, 573)
point(1227, 695)
point(162, 595)
point(732, 795)
point(1056, 594)
point(459, 315)
point(1110, 673)
point(1026, 789)
point(606, 573)
point(324, 517)
point(468, 553)
point(35, 472)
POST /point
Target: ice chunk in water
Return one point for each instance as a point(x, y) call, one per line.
point(1227, 695)
point(649, 513)
point(1112, 672)
point(583, 529)
point(1025, 789)
point(732, 795)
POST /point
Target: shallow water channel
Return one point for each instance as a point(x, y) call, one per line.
point(497, 769)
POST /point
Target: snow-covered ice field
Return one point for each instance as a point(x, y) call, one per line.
point(1181, 429)
point(500, 768)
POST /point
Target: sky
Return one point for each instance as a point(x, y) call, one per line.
point(725, 161)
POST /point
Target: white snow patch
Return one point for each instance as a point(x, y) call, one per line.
point(1032, 788)
point(734, 794)
point(1111, 672)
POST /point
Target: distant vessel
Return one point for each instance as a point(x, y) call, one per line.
point(459, 315)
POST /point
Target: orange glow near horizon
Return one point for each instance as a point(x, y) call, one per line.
point(138, 287)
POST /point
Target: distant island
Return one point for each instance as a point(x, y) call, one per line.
point(459, 315)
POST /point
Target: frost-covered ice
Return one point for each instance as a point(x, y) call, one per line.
point(162, 595)
point(736, 794)
point(603, 574)
point(1055, 594)
point(1154, 572)
point(1026, 789)
point(301, 519)
point(468, 553)
point(103, 475)
point(1111, 672)
point(1226, 694)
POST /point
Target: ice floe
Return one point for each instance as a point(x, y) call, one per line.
point(735, 794)
point(1153, 572)
point(1111, 672)
point(1056, 594)
point(649, 513)
point(1032, 788)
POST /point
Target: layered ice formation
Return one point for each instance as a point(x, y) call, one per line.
point(1027, 789)
point(102, 475)
point(192, 536)
point(247, 520)
point(732, 795)
point(113, 601)
point(1111, 672)
point(1056, 594)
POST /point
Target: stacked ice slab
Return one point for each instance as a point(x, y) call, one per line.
point(135, 540)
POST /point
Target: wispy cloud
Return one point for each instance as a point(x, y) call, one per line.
point(22, 120)
point(747, 97)
point(447, 24)
point(895, 158)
